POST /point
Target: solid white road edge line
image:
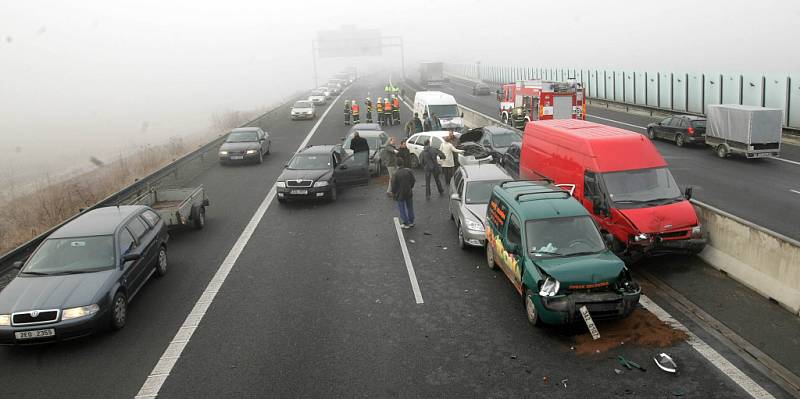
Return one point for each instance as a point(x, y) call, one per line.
point(795, 191)
point(411, 274)
point(174, 350)
point(713, 357)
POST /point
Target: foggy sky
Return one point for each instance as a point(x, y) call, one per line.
point(86, 76)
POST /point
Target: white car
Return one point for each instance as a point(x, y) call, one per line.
point(317, 97)
point(416, 143)
point(303, 110)
point(328, 92)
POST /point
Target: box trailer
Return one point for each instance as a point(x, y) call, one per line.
point(177, 206)
point(754, 132)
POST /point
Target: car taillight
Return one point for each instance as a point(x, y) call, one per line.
point(691, 131)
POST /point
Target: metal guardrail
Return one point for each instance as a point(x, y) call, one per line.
point(137, 188)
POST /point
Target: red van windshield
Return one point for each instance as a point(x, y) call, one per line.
point(643, 187)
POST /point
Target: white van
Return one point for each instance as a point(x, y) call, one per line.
point(441, 106)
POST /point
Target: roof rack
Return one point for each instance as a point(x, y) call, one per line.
point(526, 182)
point(566, 194)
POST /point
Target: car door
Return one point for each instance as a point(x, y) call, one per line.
point(511, 161)
point(350, 172)
point(681, 124)
point(662, 127)
point(126, 244)
point(145, 247)
point(511, 261)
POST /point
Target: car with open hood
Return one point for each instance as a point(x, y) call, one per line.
point(495, 139)
point(470, 190)
point(244, 144)
point(318, 172)
point(303, 110)
point(376, 139)
point(473, 153)
point(553, 254)
point(80, 279)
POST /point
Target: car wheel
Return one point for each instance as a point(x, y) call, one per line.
point(490, 257)
point(722, 152)
point(119, 311)
point(414, 161)
point(198, 217)
point(504, 117)
point(461, 243)
point(161, 262)
point(530, 309)
point(679, 141)
point(281, 200)
point(269, 147)
point(651, 134)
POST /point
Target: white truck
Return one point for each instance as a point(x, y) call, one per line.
point(437, 111)
point(431, 74)
point(754, 132)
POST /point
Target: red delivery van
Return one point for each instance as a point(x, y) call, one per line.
point(621, 179)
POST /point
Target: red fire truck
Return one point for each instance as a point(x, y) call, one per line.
point(532, 100)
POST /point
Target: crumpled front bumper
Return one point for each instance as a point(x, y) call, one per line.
point(564, 309)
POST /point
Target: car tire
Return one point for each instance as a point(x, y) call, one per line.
point(651, 134)
point(461, 243)
point(722, 151)
point(414, 161)
point(119, 311)
point(490, 262)
point(269, 147)
point(530, 309)
point(198, 216)
point(161, 262)
point(281, 200)
point(679, 140)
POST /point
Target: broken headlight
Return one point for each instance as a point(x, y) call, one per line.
point(549, 287)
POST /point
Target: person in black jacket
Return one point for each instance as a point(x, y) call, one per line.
point(404, 154)
point(402, 188)
point(429, 158)
point(360, 148)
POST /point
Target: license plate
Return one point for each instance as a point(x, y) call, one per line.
point(48, 332)
point(299, 192)
point(762, 155)
point(237, 157)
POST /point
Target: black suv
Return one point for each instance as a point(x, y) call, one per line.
point(81, 278)
point(682, 129)
point(316, 172)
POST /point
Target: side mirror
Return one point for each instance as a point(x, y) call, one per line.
point(462, 114)
point(343, 166)
point(608, 238)
point(17, 265)
point(688, 193)
point(512, 248)
point(455, 197)
point(131, 257)
point(286, 166)
point(597, 207)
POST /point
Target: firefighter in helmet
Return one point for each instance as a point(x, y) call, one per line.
point(368, 108)
point(387, 111)
point(379, 111)
point(356, 111)
point(347, 111)
point(395, 109)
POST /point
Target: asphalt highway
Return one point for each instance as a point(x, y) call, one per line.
point(763, 191)
point(319, 304)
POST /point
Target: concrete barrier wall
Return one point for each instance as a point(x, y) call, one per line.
point(762, 260)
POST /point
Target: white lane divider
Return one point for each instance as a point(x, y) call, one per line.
point(795, 191)
point(175, 348)
point(712, 356)
point(411, 274)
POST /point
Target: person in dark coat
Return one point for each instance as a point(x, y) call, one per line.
point(403, 191)
point(429, 158)
point(404, 154)
point(360, 148)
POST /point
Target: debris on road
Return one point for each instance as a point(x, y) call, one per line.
point(427, 233)
point(513, 356)
point(545, 380)
point(665, 362)
point(411, 241)
point(587, 318)
point(564, 382)
point(629, 364)
point(618, 371)
point(640, 328)
point(466, 355)
point(678, 392)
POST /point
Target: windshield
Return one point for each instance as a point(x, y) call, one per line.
point(567, 236)
point(310, 161)
point(445, 110)
point(505, 139)
point(302, 104)
point(72, 255)
point(478, 192)
point(242, 137)
point(642, 186)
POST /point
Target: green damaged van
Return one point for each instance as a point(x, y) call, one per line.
point(551, 250)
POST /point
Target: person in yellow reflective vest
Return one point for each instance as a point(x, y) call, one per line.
point(379, 111)
point(368, 108)
point(395, 109)
point(356, 111)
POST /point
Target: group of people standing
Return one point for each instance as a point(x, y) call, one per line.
point(387, 110)
point(435, 162)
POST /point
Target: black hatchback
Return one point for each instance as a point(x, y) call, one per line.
point(81, 278)
point(682, 129)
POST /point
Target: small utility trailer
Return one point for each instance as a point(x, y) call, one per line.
point(178, 206)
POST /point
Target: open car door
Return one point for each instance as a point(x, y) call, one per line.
point(351, 172)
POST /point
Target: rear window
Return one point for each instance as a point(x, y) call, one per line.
point(699, 124)
point(151, 217)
